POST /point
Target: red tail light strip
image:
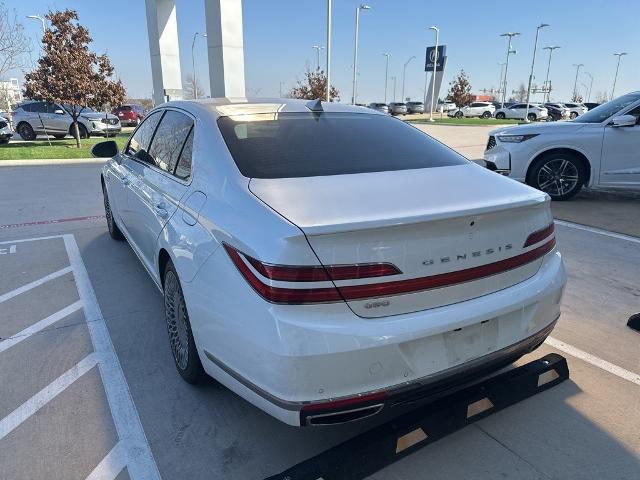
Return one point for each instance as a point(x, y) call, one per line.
point(287, 273)
point(359, 292)
point(539, 235)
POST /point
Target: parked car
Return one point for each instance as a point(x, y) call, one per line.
point(519, 110)
point(396, 108)
point(41, 118)
point(599, 148)
point(557, 111)
point(292, 281)
point(446, 106)
point(576, 109)
point(475, 109)
point(415, 107)
point(129, 115)
point(591, 105)
point(5, 131)
point(379, 107)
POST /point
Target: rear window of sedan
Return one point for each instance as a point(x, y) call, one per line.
point(287, 145)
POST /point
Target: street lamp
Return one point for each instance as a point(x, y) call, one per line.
point(620, 55)
point(404, 71)
point(317, 48)
point(551, 48)
point(281, 85)
point(575, 82)
point(42, 19)
point(355, 52)
point(394, 87)
point(502, 64)
point(590, 85)
point(506, 68)
point(328, 51)
point(193, 64)
point(433, 79)
point(533, 61)
point(386, 75)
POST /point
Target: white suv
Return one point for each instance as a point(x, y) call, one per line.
point(576, 109)
point(475, 109)
point(518, 111)
point(41, 118)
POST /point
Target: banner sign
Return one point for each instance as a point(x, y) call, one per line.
point(439, 59)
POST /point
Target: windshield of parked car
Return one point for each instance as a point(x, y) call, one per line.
point(289, 145)
point(601, 113)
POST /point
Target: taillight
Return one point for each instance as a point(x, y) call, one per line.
point(288, 273)
point(539, 235)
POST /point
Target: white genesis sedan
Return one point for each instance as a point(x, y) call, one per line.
point(328, 262)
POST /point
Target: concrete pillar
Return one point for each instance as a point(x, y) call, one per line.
point(225, 47)
point(162, 29)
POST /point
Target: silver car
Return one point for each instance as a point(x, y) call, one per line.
point(380, 107)
point(415, 107)
point(42, 118)
point(5, 131)
point(397, 108)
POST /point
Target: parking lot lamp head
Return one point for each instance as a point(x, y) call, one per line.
point(510, 35)
point(615, 78)
point(355, 53)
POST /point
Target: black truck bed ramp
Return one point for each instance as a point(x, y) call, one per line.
point(373, 450)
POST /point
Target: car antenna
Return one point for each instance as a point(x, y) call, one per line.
point(315, 105)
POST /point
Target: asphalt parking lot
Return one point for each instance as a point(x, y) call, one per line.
point(88, 388)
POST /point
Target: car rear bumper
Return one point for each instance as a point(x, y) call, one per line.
point(321, 364)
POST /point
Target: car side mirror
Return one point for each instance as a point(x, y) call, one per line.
point(624, 121)
point(106, 149)
point(59, 111)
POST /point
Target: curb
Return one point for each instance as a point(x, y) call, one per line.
point(50, 161)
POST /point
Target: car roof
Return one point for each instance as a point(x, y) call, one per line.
point(223, 107)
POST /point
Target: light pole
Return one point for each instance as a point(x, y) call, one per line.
point(433, 78)
point(575, 82)
point(590, 86)
point(355, 53)
point(506, 67)
point(533, 61)
point(386, 75)
point(394, 87)
point(328, 51)
point(502, 64)
point(317, 48)
point(193, 65)
point(42, 19)
point(615, 79)
point(281, 84)
point(404, 72)
point(551, 48)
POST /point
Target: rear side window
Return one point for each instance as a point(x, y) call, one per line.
point(169, 139)
point(139, 144)
point(183, 169)
point(307, 144)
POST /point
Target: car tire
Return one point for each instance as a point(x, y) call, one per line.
point(459, 115)
point(500, 116)
point(114, 231)
point(559, 174)
point(532, 117)
point(183, 347)
point(82, 130)
point(486, 115)
point(573, 115)
point(26, 132)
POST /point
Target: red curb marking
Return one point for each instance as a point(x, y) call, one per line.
point(49, 222)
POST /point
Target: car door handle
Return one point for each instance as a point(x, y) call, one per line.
point(161, 210)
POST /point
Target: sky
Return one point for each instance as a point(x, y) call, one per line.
point(279, 35)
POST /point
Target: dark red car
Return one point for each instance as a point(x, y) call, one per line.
point(129, 115)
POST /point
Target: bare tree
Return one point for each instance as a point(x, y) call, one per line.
point(192, 88)
point(70, 74)
point(14, 48)
point(519, 95)
point(314, 86)
point(460, 90)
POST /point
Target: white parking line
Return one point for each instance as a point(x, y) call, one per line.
point(111, 465)
point(599, 231)
point(34, 284)
point(593, 360)
point(39, 326)
point(140, 462)
point(48, 393)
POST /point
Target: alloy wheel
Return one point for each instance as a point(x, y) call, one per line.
point(177, 320)
point(558, 177)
